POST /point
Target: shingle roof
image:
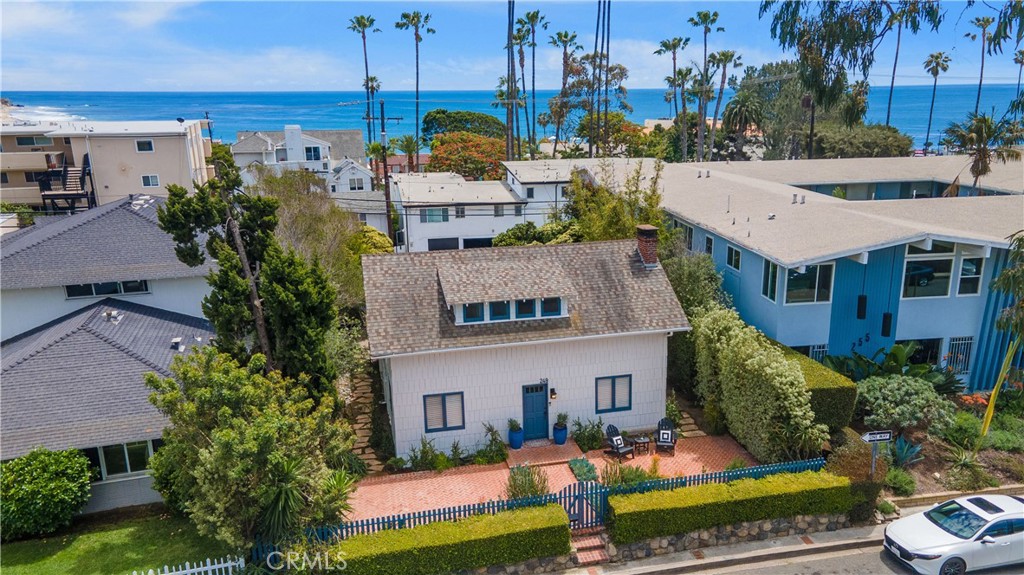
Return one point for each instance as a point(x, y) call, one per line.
point(255, 142)
point(344, 143)
point(610, 293)
point(78, 380)
point(116, 241)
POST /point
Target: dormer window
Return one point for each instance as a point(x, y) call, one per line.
point(526, 308)
point(500, 310)
point(472, 312)
point(550, 306)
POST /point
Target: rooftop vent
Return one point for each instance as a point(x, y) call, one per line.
point(707, 174)
point(113, 316)
point(794, 198)
point(176, 344)
point(771, 216)
point(803, 199)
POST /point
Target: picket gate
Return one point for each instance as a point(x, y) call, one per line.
point(222, 566)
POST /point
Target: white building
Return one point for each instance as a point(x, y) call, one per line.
point(318, 151)
point(469, 337)
point(443, 211)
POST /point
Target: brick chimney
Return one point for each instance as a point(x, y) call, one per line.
point(647, 245)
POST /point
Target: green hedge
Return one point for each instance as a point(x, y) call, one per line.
point(42, 491)
point(641, 516)
point(833, 395)
point(503, 538)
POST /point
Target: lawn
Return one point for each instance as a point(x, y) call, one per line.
point(113, 544)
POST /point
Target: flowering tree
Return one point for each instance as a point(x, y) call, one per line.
point(467, 154)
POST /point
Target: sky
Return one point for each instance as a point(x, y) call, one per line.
point(306, 46)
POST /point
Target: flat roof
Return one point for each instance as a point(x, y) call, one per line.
point(82, 128)
point(446, 188)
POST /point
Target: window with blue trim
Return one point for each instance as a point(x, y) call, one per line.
point(526, 308)
point(733, 258)
point(443, 412)
point(500, 310)
point(472, 312)
point(551, 306)
point(614, 393)
point(433, 215)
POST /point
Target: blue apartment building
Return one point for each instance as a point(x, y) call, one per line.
point(826, 275)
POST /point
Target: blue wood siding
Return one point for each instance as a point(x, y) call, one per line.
point(991, 344)
point(880, 281)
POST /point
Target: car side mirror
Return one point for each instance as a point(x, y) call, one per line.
point(987, 539)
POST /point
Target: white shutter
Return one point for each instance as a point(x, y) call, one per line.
point(604, 394)
point(622, 385)
point(453, 405)
point(435, 414)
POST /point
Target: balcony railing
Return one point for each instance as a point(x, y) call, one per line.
point(30, 161)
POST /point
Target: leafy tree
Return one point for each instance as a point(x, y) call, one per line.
point(258, 288)
point(606, 214)
point(985, 140)
point(590, 78)
point(861, 141)
point(42, 491)
point(247, 452)
point(419, 24)
point(360, 25)
point(441, 121)
point(561, 104)
point(468, 155)
point(935, 64)
point(778, 89)
point(528, 233)
point(743, 112)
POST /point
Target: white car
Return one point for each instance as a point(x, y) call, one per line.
point(968, 533)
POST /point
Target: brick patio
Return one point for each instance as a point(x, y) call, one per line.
point(425, 490)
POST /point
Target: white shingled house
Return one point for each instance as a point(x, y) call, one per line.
point(465, 337)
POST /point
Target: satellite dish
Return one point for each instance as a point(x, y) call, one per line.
point(181, 120)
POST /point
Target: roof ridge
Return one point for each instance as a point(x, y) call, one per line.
point(39, 350)
point(125, 349)
point(95, 214)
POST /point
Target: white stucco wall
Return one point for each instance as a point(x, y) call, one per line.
point(24, 309)
point(492, 382)
point(478, 223)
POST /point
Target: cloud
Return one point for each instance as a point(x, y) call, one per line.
point(149, 14)
point(29, 18)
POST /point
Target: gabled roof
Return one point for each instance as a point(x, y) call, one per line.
point(344, 143)
point(605, 287)
point(253, 143)
point(117, 241)
point(77, 381)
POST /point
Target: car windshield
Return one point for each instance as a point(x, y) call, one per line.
point(955, 519)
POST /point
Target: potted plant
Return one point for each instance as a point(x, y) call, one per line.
point(515, 434)
point(561, 428)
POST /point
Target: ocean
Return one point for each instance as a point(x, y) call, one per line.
point(235, 111)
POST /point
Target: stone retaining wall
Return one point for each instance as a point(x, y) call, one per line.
point(727, 534)
point(542, 565)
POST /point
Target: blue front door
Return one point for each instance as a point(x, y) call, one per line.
point(535, 411)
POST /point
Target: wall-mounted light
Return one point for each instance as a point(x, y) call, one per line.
point(862, 306)
point(553, 394)
point(886, 324)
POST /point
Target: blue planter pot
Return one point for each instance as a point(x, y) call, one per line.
point(515, 438)
point(561, 434)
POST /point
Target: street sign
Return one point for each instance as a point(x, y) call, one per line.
point(877, 436)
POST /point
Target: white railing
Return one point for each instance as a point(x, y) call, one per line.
point(223, 566)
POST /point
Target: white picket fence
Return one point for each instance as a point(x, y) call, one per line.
point(223, 566)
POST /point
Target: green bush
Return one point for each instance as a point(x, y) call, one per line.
point(641, 516)
point(445, 547)
point(736, 463)
point(765, 401)
point(897, 402)
point(900, 482)
point(1006, 433)
point(853, 461)
point(494, 451)
point(588, 436)
point(427, 457)
point(615, 474)
point(833, 395)
point(583, 469)
point(965, 431)
point(41, 491)
point(885, 507)
point(673, 412)
point(526, 481)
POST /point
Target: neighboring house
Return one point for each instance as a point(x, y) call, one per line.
point(443, 211)
point(64, 263)
point(316, 151)
point(69, 165)
point(77, 383)
point(480, 336)
point(369, 207)
point(349, 176)
point(399, 164)
point(831, 276)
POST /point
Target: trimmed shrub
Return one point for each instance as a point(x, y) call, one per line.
point(641, 516)
point(833, 395)
point(41, 491)
point(897, 402)
point(583, 469)
point(763, 397)
point(446, 547)
point(900, 482)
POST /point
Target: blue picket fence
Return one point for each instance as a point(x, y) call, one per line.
point(585, 502)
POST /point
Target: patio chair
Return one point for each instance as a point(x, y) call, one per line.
point(619, 445)
point(666, 436)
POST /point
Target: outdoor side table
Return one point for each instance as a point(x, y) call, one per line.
point(643, 444)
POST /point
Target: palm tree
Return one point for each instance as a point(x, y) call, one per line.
point(982, 23)
point(533, 20)
point(521, 38)
point(682, 81)
point(567, 42)
point(410, 146)
point(744, 110)
point(673, 46)
point(375, 150)
point(1018, 59)
point(509, 99)
point(372, 86)
point(722, 59)
point(935, 64)
point(706, 21)
point(416, 22)
point(986, 141)
point(908, 14)
point(359, 25)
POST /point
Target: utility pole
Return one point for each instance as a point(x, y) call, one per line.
point(384, 169)
point(209, 127)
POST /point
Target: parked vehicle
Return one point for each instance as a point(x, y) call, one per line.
point(920, 274)
point(960, 535)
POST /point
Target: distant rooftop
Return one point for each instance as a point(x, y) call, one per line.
point(344, 143)
point(447, 188)
point(81, 128)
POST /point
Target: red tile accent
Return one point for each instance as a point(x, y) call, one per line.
point(697, 554)
point(807, 540)
point(587, 542)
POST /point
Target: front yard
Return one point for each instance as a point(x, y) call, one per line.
point(131, 540)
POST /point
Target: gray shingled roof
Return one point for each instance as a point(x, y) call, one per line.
point(114, 242)
point(610, 293)
point(344, 143)
point(78, 380)
point(255, 142)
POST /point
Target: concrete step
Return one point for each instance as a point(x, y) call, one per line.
point(591, 557)
point(587, 542)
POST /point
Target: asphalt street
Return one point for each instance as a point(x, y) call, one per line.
point(870, 561)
